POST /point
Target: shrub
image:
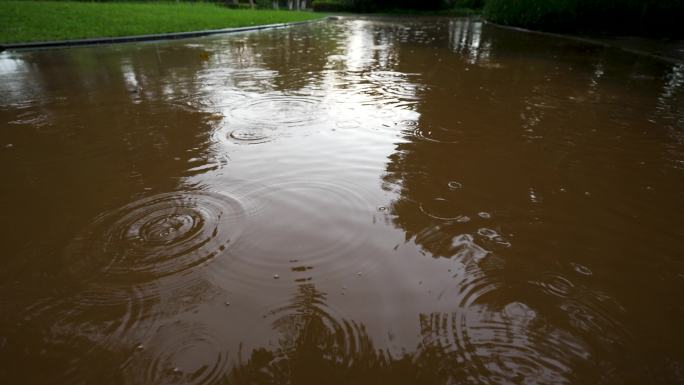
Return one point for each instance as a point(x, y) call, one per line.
point(472, 4)
point(378, 5)
point(644, 17)
point(544, 14)
point(331, 6)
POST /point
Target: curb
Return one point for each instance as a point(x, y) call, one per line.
point(586, 40)
point(152, 37)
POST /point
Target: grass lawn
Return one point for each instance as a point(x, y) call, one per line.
point(22, 21)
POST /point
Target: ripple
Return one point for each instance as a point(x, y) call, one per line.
point(443, 209)
point(465, 248)
point(308, 325)
point(491, 238)
point(581, 269)
point(206, 164)
point(396, 85)
point(555, 284)
point(407, 123)
point(179, 353)
point(319, 224)
point(90, 326)
point(517, 312)
point(596, 317)
point(348, 124)
point(492, 336)
point(435, 135)
point(505, 343)
point(155, 237)
point(277, 111)
point(250, 136)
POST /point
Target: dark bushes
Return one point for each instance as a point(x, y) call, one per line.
point(378, 5)
point(331, 6)
point(642, 17)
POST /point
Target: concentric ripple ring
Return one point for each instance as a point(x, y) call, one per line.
point(156, 237)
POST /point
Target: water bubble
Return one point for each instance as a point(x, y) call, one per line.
point(455, 185)
point(250, 136)
point(484, 215)
point(435, 135)
point(407, 123)
point(519, 312)
point(581, 269)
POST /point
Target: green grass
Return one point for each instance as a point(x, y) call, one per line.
point(23, 21)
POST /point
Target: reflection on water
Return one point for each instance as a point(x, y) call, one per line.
point(418, 201)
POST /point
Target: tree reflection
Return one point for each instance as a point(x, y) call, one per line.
point(314, 347)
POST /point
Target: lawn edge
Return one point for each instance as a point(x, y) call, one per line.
point(150, 37)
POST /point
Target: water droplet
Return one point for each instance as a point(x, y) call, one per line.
point(581, 269)
point(463, 219)
point(455, 185)
point(251, 135)
point(139, 347)
point(177, 371)
point(484, 215)
point(276, 276)
point(227, 303)
point(9, 145)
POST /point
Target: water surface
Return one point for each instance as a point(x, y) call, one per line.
point(363, 201)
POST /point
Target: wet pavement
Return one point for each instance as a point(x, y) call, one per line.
point(361, 201)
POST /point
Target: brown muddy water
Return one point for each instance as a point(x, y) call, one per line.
point(363, 201)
